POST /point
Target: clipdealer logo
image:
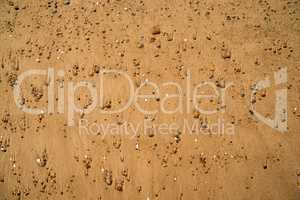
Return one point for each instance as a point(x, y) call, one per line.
point(192, 95)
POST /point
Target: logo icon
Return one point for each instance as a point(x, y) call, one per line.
point(279, 122)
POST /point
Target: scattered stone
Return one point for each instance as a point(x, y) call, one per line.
point(125, 172)
point(42, 159)
point(108, 177)
point(136, 62)
point(140, 45)
point(169, 37)
point(12, 79)
point(177, 136)
point(37, 93)
point(139, 188)
point(67, 2)
point(226, 54)
point(4, 143)
point(117, 143)
point(96, 69)
point(150, 132)
point(119, 184)
point(152, 40)
point(155, 30)
point(87, 162)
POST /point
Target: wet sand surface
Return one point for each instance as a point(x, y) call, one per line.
point(230, 44)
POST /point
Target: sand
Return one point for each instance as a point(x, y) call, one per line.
point(146, 132)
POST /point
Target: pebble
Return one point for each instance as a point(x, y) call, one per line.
point(226, 54)
point(119, 184)
point(108, 177)
point(42, 159)
point(140, 45)
point(155, 30)
point(169, 37)
point(67, 2)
